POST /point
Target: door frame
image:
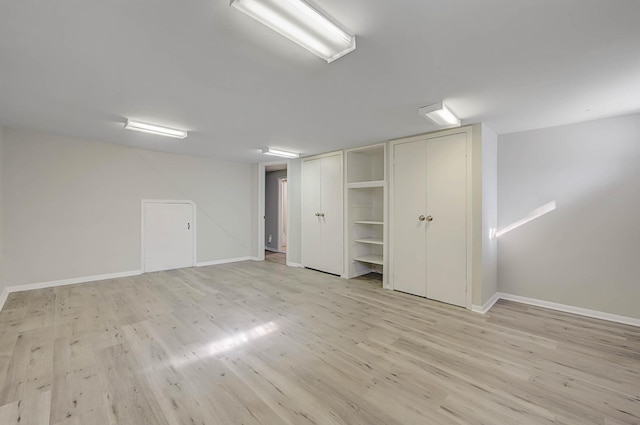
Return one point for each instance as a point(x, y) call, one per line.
point(468, 130)
point(144, 202)
point(282, 224)
point(262, 171)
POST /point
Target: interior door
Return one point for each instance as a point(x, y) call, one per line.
point(311, 183)
point(168, 236)
point(331, 214)
point(409, 232)
point(446, 179)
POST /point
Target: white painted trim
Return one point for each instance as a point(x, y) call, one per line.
point(571, 309)
point(64, 282)
point(72, 281)
point(386, 281)
point(482, 309)
point(478, 309)
point(3, 297)
point(470, 241)
point(556, 306)
point(292, 264)
point(322, 155)
point(225, 261)
point(286, 225)
point(262, 178)
point(168, 201)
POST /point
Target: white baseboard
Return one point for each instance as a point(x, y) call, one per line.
point(478, 309)
point(42, 285)
point(572, 309)
point(555, 306)
point(72, 281)
point(225, 261)
point(482, 309)
point(3, 297)
point(63, 282)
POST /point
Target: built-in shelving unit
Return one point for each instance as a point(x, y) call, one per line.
point(365, 200)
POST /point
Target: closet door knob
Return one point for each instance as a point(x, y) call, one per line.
point(429, 218)
point(422, 218)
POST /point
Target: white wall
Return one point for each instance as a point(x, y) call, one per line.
point(489, 213)
point(72, 207)
point(294, 194)
point(484, 213)
point(1, 213)
point(586, 253)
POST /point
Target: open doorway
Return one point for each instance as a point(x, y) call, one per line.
point(282, 214)
point(275, 212)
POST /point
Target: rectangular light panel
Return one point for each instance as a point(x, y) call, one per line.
point(155, 129)
point(302, 24)
point(440, 115)
point(279, 152)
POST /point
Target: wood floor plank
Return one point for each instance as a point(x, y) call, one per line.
point(129, 396)
point(262, 343)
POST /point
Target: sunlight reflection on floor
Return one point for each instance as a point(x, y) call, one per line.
point(226, 344)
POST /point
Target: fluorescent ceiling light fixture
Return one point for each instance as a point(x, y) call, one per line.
point(302, 24)
point(440, 115)
point(279, 152)
point(155, 129)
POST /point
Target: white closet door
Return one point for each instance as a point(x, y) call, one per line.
point(311, 236)
point(447, 232)
point(409, 203)
point(168, 236)
point(331, 219)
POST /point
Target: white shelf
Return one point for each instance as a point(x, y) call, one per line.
point(372, 259)
point(369, 222)
point(373, 241)
point(366, 184)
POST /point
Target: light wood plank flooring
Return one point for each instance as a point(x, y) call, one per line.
point(261, 343)
point(275, 257)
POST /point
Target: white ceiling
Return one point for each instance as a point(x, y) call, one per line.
point(79, 68)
